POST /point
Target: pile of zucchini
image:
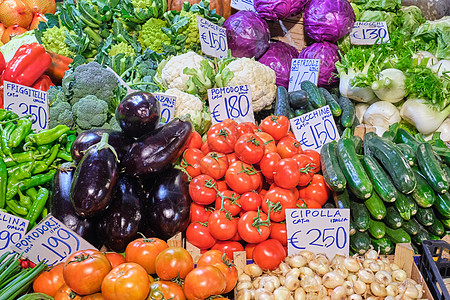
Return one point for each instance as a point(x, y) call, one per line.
point(396, 187)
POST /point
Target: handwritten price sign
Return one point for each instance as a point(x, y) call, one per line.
point(166, 107)
point(24, 100)
point(50, 241)
point(213, 38)
point(318, 230)
point(314, 129)
point(234, 102)
point(12, 229)
point(243, 5)
point(369, 33)
point(303, 69)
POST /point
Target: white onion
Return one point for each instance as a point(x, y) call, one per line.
point(355, 297)
point(383, 277)
point(352, 264)
point(359, 287)
point(244, 295)
point(262, 294)
point(339, 293)
point(392, 289)
point(300, 294)
point(305, 271)
point(366, 275)
point(378, 289)
point(282, 293)
point(292, 282)
point(310, 284)
point(337, 260)
point(348, 288)
point(247, 285)
point(244, 277)
point(399, 275)
point(296, 261)
point(284, 268)
point(371, 254)
point(253, 270)
point(332, 279)
point(308, 255)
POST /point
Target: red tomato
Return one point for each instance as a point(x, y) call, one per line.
point(278, 195)
point(168, 289)
point(66, 293)
point(279, 232)
point(306, 166)
point(301, 203)
point(262, 193)
point(221, 185)
point(115, 259)
point(203, 282)
point(214, 164)
point(201, 190)
point(250, 201)
point(249, 250)
point(228, 247)
point(231, 158)
point(269, 254)
point(277, 127)
point(237, 236)
point(249, 148)
point(96, 296)
point(286, 173)
point(254, 227)
point(269, 142)
point(230, 122)
point(195, 140)
point(315, 192)
point(267, 164)
point(222, 225)
point(288, 147)
point(199, 213)
point(198, 235)
point(190, 161)
point(291, 134)
point(242, 177)
point(246, 127)
point(318, 179)
point(231, 202)
point(315, 157)
point(144, 251)
point(311, 204)
point(49, 282)
point(173, 262)
point(127, 281)
point(221, 137)
point(84, 271)
point(294, 191)
point(205, 148)
point(221, 261)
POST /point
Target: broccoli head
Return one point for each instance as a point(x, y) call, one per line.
point(90, 112)
point(56, 94)
point(60, 112)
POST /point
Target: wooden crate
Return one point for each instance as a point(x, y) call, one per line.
point(294, 35)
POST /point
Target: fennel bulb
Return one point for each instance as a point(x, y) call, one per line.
point(390, 85)
point(360, 109)
point(441, 67)
point(422, 115)
point(360, 94)
point(425, 57)
point(382, 114)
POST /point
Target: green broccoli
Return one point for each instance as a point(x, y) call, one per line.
point(90, 112)
point(56, 94)
point(60, 112)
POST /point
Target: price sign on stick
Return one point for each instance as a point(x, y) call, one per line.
point(166, 107)
point(213, 38)
point(243, 5)
point(303, 69)
point(233, 102)
point(24, 100)
point(50, 241)
point(12, 229)
point(318, 230)
point(369, 33)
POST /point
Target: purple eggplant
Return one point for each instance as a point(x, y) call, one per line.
point(120, 142)
point(168, 204)
point(123, 220)
point(155, 151)
point(94, 179)
point(61, 207)
point(138, 114)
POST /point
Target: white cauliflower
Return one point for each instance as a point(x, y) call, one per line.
point(259, 77)
point(186, 103)
point(172, 75)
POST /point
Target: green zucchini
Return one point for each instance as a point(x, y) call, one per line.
point(442, 204)
point(282, 102)
point(446, 223)
point(412, 204)
point(377, 229)
point(360, 216)
point(403, 136)
point(403, 206)
point(408, 153)
point(423, 194)
point(331, 170)
point(437, 228)
point(421, 236)
point(425, 216)
point(384, 245)
point(447, 171)
point(398, 235)
point(357, 141)
point(348, 115)
point(342, 199)
point(393, 218)
point(357, 179)
point(360, 242)
point(375, 206)
point(392, 160)
point(434, 237)
point(430, 168)
point(334, 106)
point(291, 113)
point(309, 108)
point(299, 112)
point(381, 182)
point(298, 99)
point(315, 96)
point(412, 227)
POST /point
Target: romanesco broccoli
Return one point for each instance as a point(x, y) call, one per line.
point(54, 39)
point(151, 36)
point(90, 112)
point(142, 4)
point(60, 112)
point(191, 30)
point(121, 47)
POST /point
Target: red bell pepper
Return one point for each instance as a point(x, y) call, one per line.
point(2, 64)
point(43, 83)
point(60, 64)
point(27, 65)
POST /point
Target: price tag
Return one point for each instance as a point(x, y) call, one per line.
point(318, 230)
point(231, 102)
point(369, 33)
point(12, 229)
point(303, 69)
point(166, 106)
point(213, 38)
point(50, 241)
point(314, 129)
point(24, 100)
point(243, 5)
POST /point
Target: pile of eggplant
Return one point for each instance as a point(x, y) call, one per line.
point(123, 182)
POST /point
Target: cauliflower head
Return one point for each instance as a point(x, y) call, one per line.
point(121, 47)
point(186, 103)
point(151, 36)
point(259, 77)
point(172, 75)
point(54, 39)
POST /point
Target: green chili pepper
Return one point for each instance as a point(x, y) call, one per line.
point(38, 205)
point(6, 133)
point(3, 183)
point(36, 180)
point(12, 188)
point(3, 114)
point(31, 192)
point(70, 139)
point(65, 155)
point(20, 132)
point(24, 200)
point(16, 208)
point(44, 213)
point(21, 171)
point(46, 136)
point(42, 166)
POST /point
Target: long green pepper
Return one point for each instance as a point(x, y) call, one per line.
point(46, 136)
point(6, 133)
point(20, 132)
point(38, 206)
point(3, 183)
point(14, 207)
point(42, 166)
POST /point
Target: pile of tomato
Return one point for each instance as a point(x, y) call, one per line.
point(243, 179)
point(90, 274)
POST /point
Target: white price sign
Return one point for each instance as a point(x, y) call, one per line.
point(166, 107)
point(231, 102)
point(24, 100)
point(303, 69)
point(314, 129)
point(243, 5)
point(369, 33)
point(318, 230)
point(12, 229)
point(50, 241)
point(213, 38)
